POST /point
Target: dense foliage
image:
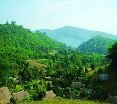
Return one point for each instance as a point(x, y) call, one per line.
point(97, 44)
point(18, 44)
point(112, 55)
point(34, 62)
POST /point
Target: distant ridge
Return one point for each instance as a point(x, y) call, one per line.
point(74, 36)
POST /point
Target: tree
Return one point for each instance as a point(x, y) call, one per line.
point(13, 22)
point(112, 55)
point(7, 22)
point(4, 72)
point(25, 73)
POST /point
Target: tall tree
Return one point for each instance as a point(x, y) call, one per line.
point(112, 54)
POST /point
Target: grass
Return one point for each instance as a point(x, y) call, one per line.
point(64, 101)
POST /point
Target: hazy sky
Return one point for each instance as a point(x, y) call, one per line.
point(98, 15)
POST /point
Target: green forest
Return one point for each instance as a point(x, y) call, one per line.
point(97, 44)
point(34, 62)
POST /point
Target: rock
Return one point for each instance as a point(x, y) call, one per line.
point(19, 96)
point(5, 95)
point(50, 94)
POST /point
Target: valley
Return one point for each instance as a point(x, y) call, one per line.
point(35, 63)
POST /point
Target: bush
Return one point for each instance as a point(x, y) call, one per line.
point(58, 91)
point(74, 93)
point(27, 98)
point(48, 86)
point(68, 92)
point(40, 93)
point(28, 87)
point(18, 88)
point(99, 93)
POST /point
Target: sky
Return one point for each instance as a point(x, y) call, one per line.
point(99, 15)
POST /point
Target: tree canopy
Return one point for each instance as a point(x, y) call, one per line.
point(112, 55)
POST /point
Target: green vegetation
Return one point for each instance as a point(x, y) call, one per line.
point(112, 55)
point(18, 45)
point(111, 84)
point(97, 44)
point(33, 62)
point(64, 101)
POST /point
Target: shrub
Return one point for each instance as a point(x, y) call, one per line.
point(48, 86)
point(99, 93)
point(18, 88)
point(40, 93)
point(74, 93)
point(58, 91)
point(27, 98)
point(68, 92)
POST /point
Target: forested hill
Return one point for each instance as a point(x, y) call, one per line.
point(96, 44)
point(74, 36)
point(18, 44)
point(14, 38)
point(34, 62)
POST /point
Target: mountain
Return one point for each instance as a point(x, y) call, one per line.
point(73, 36)
point(97, 44)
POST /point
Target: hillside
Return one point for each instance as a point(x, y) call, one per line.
point(34, 62)
point(73, 36)
point(96, 44)
point(16, 38)
point(18, 44)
